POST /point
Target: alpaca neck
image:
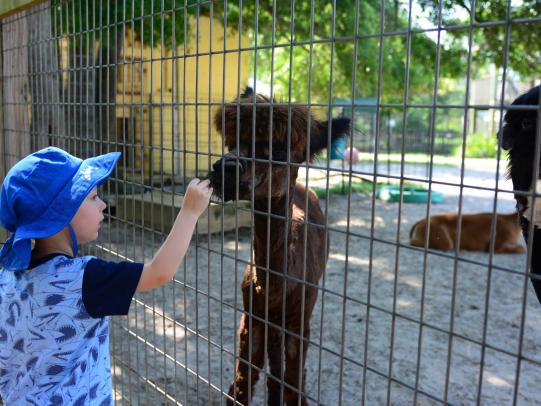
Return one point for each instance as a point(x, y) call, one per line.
point(270, 231)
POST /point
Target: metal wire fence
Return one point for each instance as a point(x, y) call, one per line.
point(393, 323)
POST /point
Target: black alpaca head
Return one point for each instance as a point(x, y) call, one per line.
point(518, 136)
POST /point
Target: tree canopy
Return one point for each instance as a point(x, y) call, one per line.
point(316, 45)
point(318, 51)
point(494, 37)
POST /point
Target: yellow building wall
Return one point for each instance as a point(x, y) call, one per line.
point(170, 99)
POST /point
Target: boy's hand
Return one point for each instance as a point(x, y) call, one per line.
point(197, 197)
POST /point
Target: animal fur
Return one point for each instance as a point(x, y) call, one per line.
point(475, 232)
point(279, 289)
point(519, 137)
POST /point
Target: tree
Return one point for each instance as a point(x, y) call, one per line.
point(308, 29)
point(300, 49)
point(524, 37)
point(286, 36)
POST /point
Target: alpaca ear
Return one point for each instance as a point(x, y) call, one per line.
point(339, 128)
point(248, 91)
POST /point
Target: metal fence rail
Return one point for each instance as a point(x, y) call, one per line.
point(425, 85)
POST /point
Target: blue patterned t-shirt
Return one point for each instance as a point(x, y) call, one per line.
point(51, 350)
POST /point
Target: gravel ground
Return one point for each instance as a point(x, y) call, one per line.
point(379, 329)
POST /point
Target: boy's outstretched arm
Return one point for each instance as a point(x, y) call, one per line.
point(167, 259)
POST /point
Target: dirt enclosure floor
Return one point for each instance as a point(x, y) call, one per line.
point(381, 315)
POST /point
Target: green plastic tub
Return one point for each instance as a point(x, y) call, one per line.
point(411, 194)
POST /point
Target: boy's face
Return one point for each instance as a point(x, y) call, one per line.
point(87, 221)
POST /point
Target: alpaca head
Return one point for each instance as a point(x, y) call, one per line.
point(262, 136)
point(518, 136)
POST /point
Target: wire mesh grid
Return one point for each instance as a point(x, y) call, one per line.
point(393, 323)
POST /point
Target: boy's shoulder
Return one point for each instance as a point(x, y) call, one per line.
point(45, 267)
point(61, 262)
point(53, 267)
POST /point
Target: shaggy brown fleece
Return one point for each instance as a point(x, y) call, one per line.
point(290, 241)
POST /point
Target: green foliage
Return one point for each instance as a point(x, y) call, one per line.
point(324, 55)
point(344, 189)
point(489, 43)
point(358, 186)
point(154, 21)
point(316, 64)
point(479, 145)
point(318, 50)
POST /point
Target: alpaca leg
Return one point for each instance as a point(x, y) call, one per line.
point(275, 356)
point(295, 373)
point(251, 355)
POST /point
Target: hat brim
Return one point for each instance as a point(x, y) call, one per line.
point(91, 173)
point(15, 254)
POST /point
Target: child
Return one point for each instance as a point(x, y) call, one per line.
point(54, 333)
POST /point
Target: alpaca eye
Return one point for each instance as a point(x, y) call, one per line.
point(527, 124)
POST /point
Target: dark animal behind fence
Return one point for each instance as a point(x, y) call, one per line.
point(519, 137)
point(280, 287)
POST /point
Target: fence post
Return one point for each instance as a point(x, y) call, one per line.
point(3, 233)
point(15, 92)
point(13, 88)
point(2, 134)
point(9, 7)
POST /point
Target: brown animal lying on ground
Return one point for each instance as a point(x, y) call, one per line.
point(474, 235)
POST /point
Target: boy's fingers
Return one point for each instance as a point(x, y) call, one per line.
point(193, 182)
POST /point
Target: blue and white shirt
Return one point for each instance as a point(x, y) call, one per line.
point(54, 333)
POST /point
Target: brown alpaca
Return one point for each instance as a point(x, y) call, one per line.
point(276, 301)
point(474, 235)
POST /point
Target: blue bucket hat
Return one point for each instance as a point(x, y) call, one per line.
point(41, 194)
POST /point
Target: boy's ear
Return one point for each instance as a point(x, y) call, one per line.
point(339, 128)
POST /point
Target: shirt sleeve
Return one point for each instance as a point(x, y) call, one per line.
point(108, 287)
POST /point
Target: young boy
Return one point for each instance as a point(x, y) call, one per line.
point(54, 333)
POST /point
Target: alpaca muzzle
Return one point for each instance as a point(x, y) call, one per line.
point(224, 176)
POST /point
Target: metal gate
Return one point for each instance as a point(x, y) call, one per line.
point(425, 85)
